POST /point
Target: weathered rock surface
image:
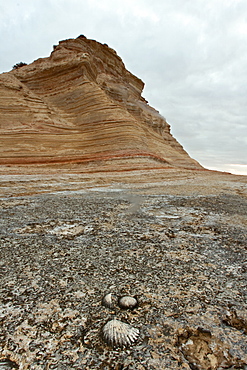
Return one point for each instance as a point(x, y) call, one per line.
point(81, 105)
point(180, 247)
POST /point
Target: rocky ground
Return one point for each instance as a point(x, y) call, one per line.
point(178, 245)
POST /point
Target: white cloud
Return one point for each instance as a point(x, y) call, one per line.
point(128, 8)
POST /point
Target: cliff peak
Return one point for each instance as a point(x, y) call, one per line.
point(81, 105)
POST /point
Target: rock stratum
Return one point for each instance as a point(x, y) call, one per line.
point(81, 105)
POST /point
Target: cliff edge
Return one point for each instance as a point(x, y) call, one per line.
point(81, 105)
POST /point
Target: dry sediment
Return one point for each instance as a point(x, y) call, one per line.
point(180, 247)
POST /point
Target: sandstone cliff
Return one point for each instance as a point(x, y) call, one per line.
point(81, 105)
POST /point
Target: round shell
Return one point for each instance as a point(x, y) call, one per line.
point(108, 300)
point(119, 334)
point(6, 364)
point(127, 302)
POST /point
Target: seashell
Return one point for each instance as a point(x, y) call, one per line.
point(108, 300)
point(119, 334)
point(6, 364)
point(126, 302)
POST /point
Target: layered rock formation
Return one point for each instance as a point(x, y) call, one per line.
point(81, 105)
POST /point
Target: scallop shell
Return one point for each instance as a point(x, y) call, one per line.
point(6, 364)
point(127, 302)
point(108, 300)
point(119, 334)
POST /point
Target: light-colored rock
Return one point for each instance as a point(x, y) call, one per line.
point(81, 105)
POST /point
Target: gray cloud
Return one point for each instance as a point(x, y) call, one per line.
point(191, 55)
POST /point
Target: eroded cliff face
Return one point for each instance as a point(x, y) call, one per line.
point(81, 105)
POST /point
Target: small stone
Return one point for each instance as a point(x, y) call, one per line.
point(127, 302)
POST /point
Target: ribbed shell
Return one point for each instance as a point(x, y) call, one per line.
point(119, 334)
point(127, 302)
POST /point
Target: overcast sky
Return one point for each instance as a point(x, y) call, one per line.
point(191, 54)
